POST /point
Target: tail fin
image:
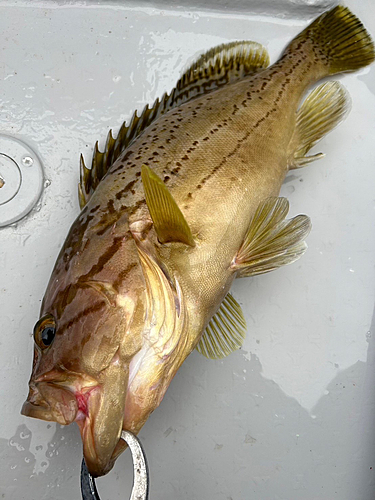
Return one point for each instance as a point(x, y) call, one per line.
point(339, 41)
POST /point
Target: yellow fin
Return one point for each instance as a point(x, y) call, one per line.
point(322, 110)
point(217, 67)
point(271, 241)
point(340, 41)
point(226, 63)
point(170, 224)
point(225, 332)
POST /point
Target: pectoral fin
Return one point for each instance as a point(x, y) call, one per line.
point(225, 332)
point(169, 222)
point(322, 110)
point(271, 241)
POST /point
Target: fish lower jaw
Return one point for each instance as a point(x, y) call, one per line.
point(99, 442)
point(97, 465)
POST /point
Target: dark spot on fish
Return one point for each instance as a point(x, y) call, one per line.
point(94, 209)
point(126, 188)
point(110, 206)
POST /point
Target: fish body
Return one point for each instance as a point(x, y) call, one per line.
point(188, 204)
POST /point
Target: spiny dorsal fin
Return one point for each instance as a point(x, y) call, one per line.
point(170, 225)
point(219, 66)
point(271, 241)
point(322, 110)
point(225, 332)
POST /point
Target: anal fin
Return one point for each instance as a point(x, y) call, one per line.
point(271, 240)
point(169, 222)
point(322, 110)
point(225, 332)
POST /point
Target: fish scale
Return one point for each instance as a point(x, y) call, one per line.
point(180, 204)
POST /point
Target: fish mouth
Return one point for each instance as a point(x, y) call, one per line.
point(97, 408)
point(50, 402)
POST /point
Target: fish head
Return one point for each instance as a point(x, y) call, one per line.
point(82, 352)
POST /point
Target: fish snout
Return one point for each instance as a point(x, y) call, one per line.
point(47, 401)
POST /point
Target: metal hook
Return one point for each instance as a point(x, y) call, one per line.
point(141, 479)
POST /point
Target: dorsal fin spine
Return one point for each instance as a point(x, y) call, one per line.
point(217, 67)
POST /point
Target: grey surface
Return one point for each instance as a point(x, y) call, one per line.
point(291, 415)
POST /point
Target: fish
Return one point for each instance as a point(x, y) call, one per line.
point(181, 203)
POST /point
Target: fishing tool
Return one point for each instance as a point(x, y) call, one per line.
point(141, 477)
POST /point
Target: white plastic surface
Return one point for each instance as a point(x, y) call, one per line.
point(21, 180)
point(291, 415)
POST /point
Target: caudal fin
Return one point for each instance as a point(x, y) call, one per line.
point(339, 41)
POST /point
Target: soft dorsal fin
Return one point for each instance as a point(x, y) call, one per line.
point(225, 332)
point(226, 63)
point(169, 222)
point(321, 111)
point(271, 240)
point(219, 66)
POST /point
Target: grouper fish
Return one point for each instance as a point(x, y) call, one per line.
point(181, 203)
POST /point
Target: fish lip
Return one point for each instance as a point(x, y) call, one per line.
point(39, 403)
point(43, 412)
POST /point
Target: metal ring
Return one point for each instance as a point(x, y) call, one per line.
point(140, 488)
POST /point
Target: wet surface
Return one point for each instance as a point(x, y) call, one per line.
point(290, 416)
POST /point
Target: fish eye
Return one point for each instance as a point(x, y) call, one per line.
point(45, 331)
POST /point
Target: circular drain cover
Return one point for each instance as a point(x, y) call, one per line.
point(21, 180)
